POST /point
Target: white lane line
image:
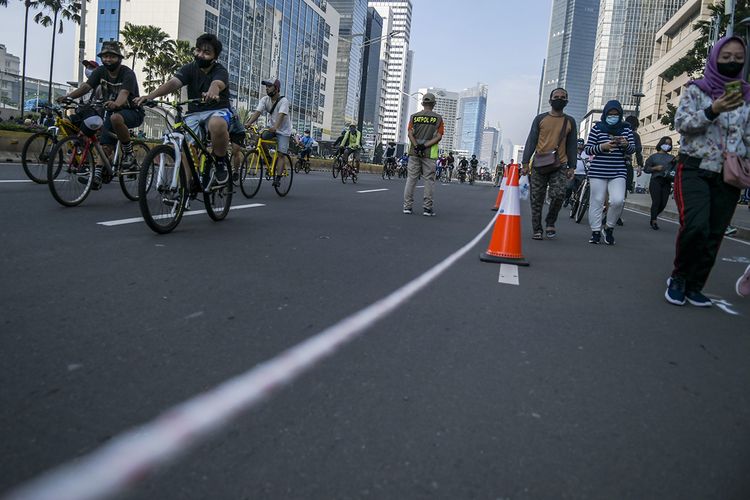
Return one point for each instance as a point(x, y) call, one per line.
point(508, 274)
point(373, 190)
point(131, 456)
point(133, 220)
point(15, 181)
point(747, 243)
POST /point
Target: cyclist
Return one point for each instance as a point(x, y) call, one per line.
point(119, 86)
point(580, 172)
point(389, 161)
point(449, 164)
point(439, 166)
point(306, 144)
point(208, 80)
point(276, 107)
point(463, 165)
point(474, 163)
point(352, 144)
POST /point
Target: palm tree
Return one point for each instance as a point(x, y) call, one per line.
point(183, 52)
point(143, 41)
point(67, 9)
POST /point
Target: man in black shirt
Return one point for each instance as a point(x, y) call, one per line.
point(205, 79)
point(119, 89)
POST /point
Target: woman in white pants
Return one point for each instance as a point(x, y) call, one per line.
point(609, 142)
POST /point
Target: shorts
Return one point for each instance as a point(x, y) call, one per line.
point(354, 152)
point(198, 120)
point(236, 131)
point(132, 118)
point(282, 141)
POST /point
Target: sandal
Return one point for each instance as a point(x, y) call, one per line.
point(551, 233)
point(537, 236)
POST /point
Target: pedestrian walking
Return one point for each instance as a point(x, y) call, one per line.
point(426, 128)
point(661, 166)
point(713, 118)
point(609, 142)
point(552, 141)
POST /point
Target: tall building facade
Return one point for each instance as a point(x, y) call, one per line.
point(489, 155)
point(570, 54)
point(372, 103)
point(286, 39)
point(624, 50)
point(349, 61)
point(398, 14)
point(446, 105)
point(472, 111)
point(10, 84)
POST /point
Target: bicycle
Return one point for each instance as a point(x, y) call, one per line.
point(73, 162)
point(579, 205)
point(302, 164)
point(389, 168)
point(164, 188)
point(444, 177)
point(347, 171)
point(338, 162)
point(259, 163)
point(36, 150)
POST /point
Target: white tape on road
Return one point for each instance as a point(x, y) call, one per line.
point(11, 181)
point(373, 190)
point(747, 243)
point(128, 458)
point(508, 274)
point(133, 220)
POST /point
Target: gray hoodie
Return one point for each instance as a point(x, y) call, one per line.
point(660, 158)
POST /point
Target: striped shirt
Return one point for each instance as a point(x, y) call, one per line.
point(608, 164)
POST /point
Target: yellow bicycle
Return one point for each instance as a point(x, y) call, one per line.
point(36, 150)
point(259, 163)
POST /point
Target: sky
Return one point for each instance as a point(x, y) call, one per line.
point(502, 43)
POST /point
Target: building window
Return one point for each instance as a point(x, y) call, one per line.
point(213, 3)
point(211, 23)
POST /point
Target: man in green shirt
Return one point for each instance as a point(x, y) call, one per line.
point(352, 144)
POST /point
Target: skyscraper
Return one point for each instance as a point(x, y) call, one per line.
point(570, 54)
point(489, 155)
point(472, 110)
point(371, 102)
point(289, 40)
point(624, 49)
point(398, 13)
point(446, 105)
point(349, 61)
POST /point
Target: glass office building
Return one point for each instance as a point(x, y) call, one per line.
point(472, 111)
point(107, 22)
point(570, 54)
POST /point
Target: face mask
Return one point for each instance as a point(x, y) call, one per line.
point(666, 147)
point(112, 66)
point(613, 120)
point(203, 63)
point(88, 72)
point(730, 69)
point(558, 104)
point(271, 93)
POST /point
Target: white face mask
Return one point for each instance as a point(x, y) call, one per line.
point(666, 147)
point(88, 72)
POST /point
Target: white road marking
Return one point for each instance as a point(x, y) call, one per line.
point(725, 306)
point(133, 220)
point(15, 181)
point(508, 274)
point(373, 190)
point(678, 223)
point(129, 457)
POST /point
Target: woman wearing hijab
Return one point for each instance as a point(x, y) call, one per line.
point(713, 117)
point(609, 142)
point(661, 167)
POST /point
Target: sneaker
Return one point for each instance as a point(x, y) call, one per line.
point(620, 222)
point(731, 230)
point(675, 293)
point(697, 299)
point(609, 237)
point(128, 163)
point(97, 184)
point(407, 211)
point(743, 284)
point(276, 181)
point(596, 236)
point(428, 212)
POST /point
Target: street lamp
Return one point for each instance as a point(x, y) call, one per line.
point(638, 95)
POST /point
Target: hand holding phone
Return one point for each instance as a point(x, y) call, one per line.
point(733, 87)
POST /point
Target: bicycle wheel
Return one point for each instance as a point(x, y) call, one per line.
point(583, 205)
point(336, 167)
point(251, 174)
point(71, 171)
point(129, 180)
point(307, 167)
point(285, 172)
point(297, 165)
point(354, 176)
point(36, 154)
point(344, 173)
point(161, 203)
point(219, 199)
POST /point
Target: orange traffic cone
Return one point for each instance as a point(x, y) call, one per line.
point(505, 244)
point(500, 194)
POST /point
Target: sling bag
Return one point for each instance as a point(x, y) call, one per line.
point(546, 163)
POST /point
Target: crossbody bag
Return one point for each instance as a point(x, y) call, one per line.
point(546, 163)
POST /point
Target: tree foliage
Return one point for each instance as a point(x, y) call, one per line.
point(61, 10)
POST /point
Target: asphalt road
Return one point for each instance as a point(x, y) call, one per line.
point(580, 382)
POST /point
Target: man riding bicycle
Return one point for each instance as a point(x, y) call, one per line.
point(474, 163)
point(276, 107)
point(306, 145)
point(351, 144)
point(208, 80)
point(119, 87)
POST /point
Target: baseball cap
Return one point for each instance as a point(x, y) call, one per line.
point(90, 64)
point(429, 97)
point(276, 83)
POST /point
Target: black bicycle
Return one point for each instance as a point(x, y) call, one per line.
point(389, 167)
point(579, 200)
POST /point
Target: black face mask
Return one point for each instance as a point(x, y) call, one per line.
point(730, 69)
point(203, 63)
point(112, 66)
point(558, 104)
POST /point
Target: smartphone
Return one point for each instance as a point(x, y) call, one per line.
point(733, 87)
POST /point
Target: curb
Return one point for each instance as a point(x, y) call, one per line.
point(743, 233)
